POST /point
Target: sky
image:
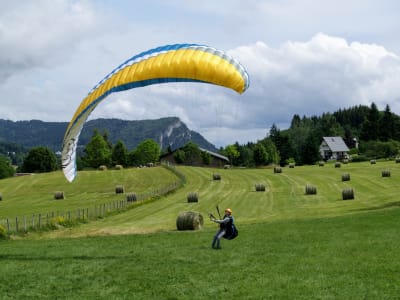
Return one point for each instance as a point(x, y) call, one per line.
point(303, 57)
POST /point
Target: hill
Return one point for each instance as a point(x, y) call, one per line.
point(167, 132)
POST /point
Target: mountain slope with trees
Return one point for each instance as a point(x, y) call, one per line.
point(368, 132)
point(167, 132)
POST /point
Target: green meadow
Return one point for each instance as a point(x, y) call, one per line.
point(290, 245)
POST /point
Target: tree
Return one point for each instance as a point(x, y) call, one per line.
point(6, 169)
point(370, 127)
point(97, 151)
point(271, 150)
point(40, 159)
point(310, 152)
point(387, 125)
point(119, 154)
point(231, 152)
point(260, 154)
point(147, 151)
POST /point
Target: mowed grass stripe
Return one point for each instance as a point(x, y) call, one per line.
point(283, 199)
point(34, 194)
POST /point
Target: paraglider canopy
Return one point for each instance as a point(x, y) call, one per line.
point(171, 63)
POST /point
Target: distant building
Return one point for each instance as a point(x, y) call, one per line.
point(333, 147)
point(217, 160)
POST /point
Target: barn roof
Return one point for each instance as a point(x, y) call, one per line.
point(336, 143)
point(215, 154)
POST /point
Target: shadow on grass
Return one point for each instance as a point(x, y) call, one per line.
point(383, 206)
point(23, 257)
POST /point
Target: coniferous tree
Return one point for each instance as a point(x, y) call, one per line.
point(386, 125)
point(370, 126)
point(119, 154)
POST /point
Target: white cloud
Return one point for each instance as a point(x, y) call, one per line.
point(53, 52)
point(38, 33)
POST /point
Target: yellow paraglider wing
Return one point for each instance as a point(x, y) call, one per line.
point(173, 63)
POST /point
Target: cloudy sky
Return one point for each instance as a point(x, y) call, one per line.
point(304, 57)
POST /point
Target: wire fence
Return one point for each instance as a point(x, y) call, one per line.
point(53, 220)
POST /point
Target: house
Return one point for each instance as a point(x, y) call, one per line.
point(333, 147)
point(217, 160)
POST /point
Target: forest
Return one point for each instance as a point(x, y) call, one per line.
point(368, 132)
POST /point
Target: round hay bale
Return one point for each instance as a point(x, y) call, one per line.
point(338, 164)
point(345, 161)
point(189, 220)
point(373, 161)
point(119, 167)
point(311, 190)
point(103, 168)
point(227, 166)
point(59, 195)
point(192, 197)
point(348, 194)
point(386, 173)
point(321, 163)
point(346, 177)
point(260, 187)
point(119, 189)
point(216, 177)
point(131, 197)
point(291, 165)
point(277, 170)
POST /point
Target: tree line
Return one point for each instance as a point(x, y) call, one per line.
point(368, 132)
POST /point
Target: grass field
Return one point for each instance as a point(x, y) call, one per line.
point(290, 246)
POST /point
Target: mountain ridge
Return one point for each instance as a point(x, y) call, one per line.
point(169, 132)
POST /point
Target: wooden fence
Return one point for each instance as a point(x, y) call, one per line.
point(52, 220)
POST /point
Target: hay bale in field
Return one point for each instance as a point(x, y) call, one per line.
point(103, 168)
point(189, 220)
point(345, 161)
point(291, 165)
point(373, 161)
point(321, 163)
point(386, 173)
point(338, 164)
point(119, 189)
point(192, 197)
point(277, 170)
point(227, 166)
point(260, 187)
point(119, 167)
point(59, 195)
point(311, 190)
point(216, 176)
point(348, 194)
point(131, 197)
point(346, 177)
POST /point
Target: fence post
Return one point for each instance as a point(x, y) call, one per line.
point(16, 224)
point(8, 226)
point(33, 221)
point(25, 229)
point(39, 220)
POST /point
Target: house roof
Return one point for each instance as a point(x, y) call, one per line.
point(336, 143)
point(214, 154)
